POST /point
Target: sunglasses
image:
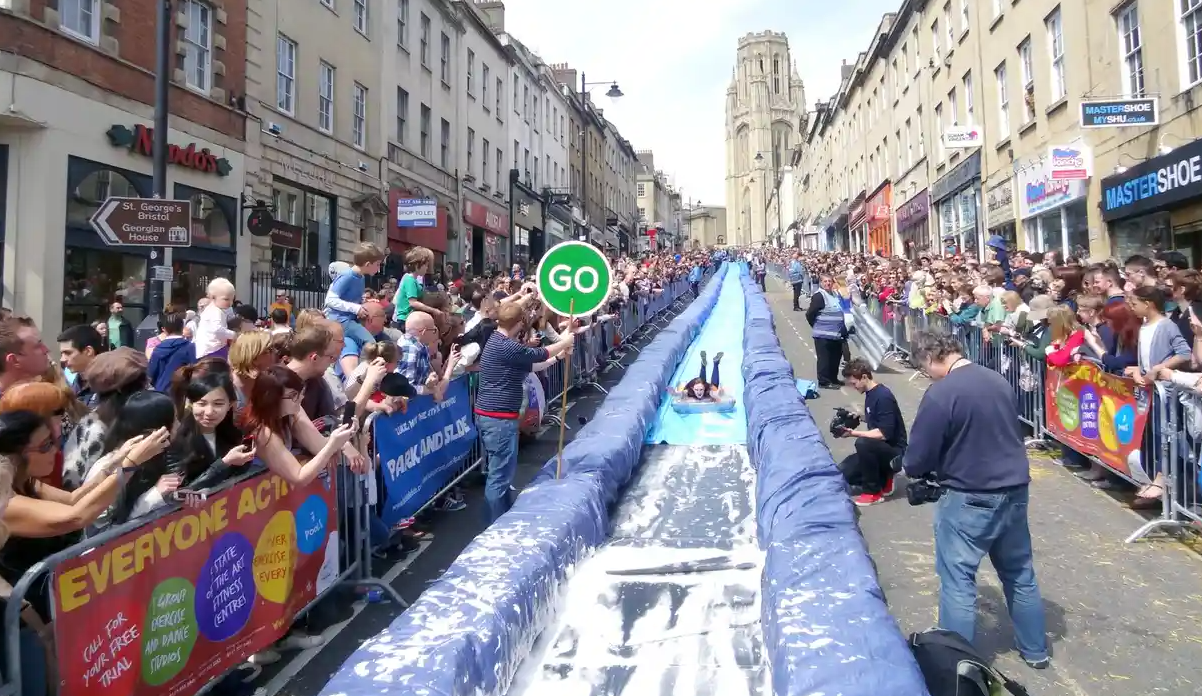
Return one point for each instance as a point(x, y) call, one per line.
point(45, 446)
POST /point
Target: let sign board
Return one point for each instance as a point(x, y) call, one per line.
point(149, 222)
point(574, 278)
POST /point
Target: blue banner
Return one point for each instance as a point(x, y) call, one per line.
point(422, 449)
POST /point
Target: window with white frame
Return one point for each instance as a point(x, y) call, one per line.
point(1131, 50)
point(80, 18)
point(325, 97)
point(517, 95)
point(471, 70)
point(402, 23)
point(484, 78)
point(500, 96)
point(936, 38)
point(359, 116)
point(361, 16)
point(425, 126)
point(909, 146)
point(963, 16)
point(425, 48)
point(484, 147)
point(917, 49)
point(949, 30)
point(198, 45)
point(1056, 53)
point(1191, 28)
point(969, 117)
point(500, 162)
point(939, 132)
point(444, 151)
point(285, 74)
point(1003, 102)
point(402, 115)
point(997, 8)
point(1027, 73)
point(901, 163)
point(953, 107)
point(444, 70)
point(471, 150)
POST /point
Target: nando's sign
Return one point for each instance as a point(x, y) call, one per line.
point(140, 140)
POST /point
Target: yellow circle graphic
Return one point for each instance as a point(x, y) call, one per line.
point(1106, 431)
point(275, 557)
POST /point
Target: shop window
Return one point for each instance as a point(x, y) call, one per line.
point(90, 184)
point(304, 228)
point(212, 218)
point(1052, 232)
point(192, 280)
point(94, 278)
point(1076, 225)
point(1144, 235)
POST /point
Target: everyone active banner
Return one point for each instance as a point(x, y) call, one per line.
point(421, 449)
point(1097, 413)
point(167, 608)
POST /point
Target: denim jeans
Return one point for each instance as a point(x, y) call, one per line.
point(355, 331)
point(34, 676)
point(967, 527)
point(499, 436)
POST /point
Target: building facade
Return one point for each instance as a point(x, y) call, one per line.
point(765, 117)
point(77, 129)
point(705, 226)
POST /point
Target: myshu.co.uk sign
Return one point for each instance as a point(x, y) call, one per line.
point(1155, 184)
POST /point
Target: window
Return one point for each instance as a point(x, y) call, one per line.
point(402, 114)
point(471, 149)
point(526, 103)
point(939, 131)
point(328, 3)
point(484, 146)
point(969, 118)
point(1191, 25)
point(775, 75)
point(642, 190)
point(325, 97)
point(997, 8)
point(500, 163)
point(425, 125)
point(949, 30)
point(963, 16)
point(1028, 77)
point(444, 71)
point(361, 16)
point(1056, 49)
point(901, 163)
point(359, 116)
point(80, 18)
point(909, 145)
point(471, 69)
point(905, 60)
point(425, 52)
point(917, 49)
point(516, 96)
point(285, 79)
point(1131, 47)
point(517, 149)
point(534, 115)
point(561, 127)
point(953, 108)
point(1003, 102)
point(444, 147)
point(484, 77)
point(500, 96)
point(935, 39)
point(402, 23)
point(198, 45)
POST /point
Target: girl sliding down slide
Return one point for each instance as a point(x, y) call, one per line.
point(699, 395)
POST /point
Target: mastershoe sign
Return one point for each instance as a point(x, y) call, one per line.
point(1155, 184)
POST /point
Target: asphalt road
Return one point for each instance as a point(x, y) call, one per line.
point(305, 673)
point(1124, 619)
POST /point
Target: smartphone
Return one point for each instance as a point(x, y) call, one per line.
point(249, 442)
point(348, 413)
point(183, 494)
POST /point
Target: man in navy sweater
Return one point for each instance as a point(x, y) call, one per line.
point(966, 437)
point(883, 438)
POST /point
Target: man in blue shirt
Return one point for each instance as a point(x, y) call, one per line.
point(883, 438)
point(796, 276)
point(344, 299)
point(966, 437)
point(695, 278)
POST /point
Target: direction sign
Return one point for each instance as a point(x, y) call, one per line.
point(151, 222)
point(574, 278)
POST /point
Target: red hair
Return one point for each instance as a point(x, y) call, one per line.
point(1123, 322)
point(266, 398)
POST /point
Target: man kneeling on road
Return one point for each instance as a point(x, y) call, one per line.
point(870, 469)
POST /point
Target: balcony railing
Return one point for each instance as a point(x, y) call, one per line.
point(411, 162)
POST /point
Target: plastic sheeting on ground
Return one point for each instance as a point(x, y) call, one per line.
point(825, 622)
point(467, 633)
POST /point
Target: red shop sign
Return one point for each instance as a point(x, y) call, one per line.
point(486, 216)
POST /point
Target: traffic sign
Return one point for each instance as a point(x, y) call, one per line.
point(573, 278)
point(153, 222)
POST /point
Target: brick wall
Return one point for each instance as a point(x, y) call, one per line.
point(122, 60)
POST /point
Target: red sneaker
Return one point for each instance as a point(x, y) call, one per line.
point(888, 490)
point(866, 499)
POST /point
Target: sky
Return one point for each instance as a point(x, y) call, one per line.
point(673, 61)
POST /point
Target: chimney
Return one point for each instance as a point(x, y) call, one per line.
point(565, 75)
point(494, 14)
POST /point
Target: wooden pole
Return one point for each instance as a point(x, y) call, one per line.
point(563, 398)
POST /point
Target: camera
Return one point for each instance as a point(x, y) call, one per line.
point(924, 490)
point(843, 419)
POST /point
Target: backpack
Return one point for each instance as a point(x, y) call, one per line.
point(951, 666)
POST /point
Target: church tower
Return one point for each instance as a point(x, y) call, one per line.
point(765, 121)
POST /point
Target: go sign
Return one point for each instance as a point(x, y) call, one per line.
point(574, 278)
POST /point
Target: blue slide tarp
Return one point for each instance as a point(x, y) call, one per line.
point(826, 626)
point(468, 633)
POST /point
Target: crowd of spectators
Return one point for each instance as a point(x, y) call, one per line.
point(114, 431)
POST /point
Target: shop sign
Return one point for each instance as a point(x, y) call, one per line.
point(140, 140)
point(416, 212)
point(1070, 162)
point(964, 174)
point(1117, 113)
point(527, 211)
point(999, 204)
point(482, 215)
point(556, 230)
point(879, 207)
point(287, 237)
point(858, 212)
point(1038, 192)
point(1155, 184)
point(914, 211)
point(961, 137)
point(144, 222)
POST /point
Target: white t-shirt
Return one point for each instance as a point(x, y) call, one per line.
point(1146, 333)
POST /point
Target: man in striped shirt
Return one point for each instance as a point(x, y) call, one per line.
point(504, 364)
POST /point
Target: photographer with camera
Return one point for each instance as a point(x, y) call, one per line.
point(870, 469)
point(966, 455)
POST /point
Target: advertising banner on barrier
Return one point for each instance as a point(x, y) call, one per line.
point(420, 450)
point(169, 607)
point(1097, 413)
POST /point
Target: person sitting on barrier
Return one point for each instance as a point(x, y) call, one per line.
point(869, 470)
point(698, 390)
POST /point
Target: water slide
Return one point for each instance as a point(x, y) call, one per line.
point(678, 554)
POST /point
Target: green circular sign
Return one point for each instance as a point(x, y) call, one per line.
point(574, 278)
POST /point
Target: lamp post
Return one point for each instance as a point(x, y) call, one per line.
point(613, 93)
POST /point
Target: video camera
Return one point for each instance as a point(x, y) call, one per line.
point(924, 490)
point(843, 419)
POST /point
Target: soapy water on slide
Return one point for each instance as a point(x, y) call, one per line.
point(721, 333)
point(670, 605)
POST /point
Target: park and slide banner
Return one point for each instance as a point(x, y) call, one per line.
point(421, 450)
point(1097, 413)
point(166, 608)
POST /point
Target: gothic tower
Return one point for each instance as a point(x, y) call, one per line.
point(765, 121)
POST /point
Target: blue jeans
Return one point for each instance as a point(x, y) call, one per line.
point(355, 331)
point(499, 436)
point(967, 527)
